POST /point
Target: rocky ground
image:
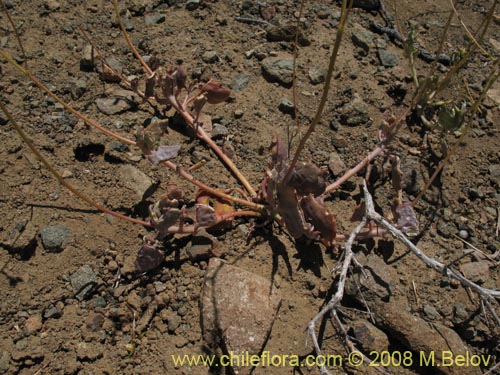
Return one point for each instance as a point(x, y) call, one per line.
point(70, 302)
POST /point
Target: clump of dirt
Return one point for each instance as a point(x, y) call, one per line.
point(68, 304)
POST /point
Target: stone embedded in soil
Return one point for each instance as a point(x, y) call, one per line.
point(210, 57)
point(278, 69)
point(55, 238)
point(355, 113)
point(494, 170)
point(83, 282)
point(240, 82)
point(137, 181)
point(87, 62)
point(478, 272)
point(88, 351)
point(362, 38)
point(33, 324)
point(387, 59)
point(369, 336)
point(336, 165)
point(153, 19)
point(118, 101)
point(219, 131)
point(52, 313)
point(413, 180)
point(286, 106)
point(316, 75)
point(4, 361)
point(430, 312)
point(192, 4)
point(238, 309)
point(94, 321)
point(366, 4)
point(417, 335)
point(109, 75)
point(285, 33)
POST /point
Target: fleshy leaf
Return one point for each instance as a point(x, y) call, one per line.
point(148, 258)
point(205, 216)
point(320, 218)
point(215, 92)
point(407, 220)
point(164, 153)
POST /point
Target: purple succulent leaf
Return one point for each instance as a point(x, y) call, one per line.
point(148, 258)
point(321, 219)
point(407, 220)
point(205, 216)
point(164, 153)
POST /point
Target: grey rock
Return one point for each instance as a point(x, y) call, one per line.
point(52, 313)
point(219, 131)
point(99, 301)
point(278, 69)
point(87, 62)
point(336, 165)
point(366, 4)
point(174, 321)
point(286, 106)
point(119, 146)
point(119, 101)
point(316, 75)
point(445, 229)
point(83, 282)
point(460, 315)
point(362, 38)
point(463, 234)
point(240, 82)
point(55, 238)
point(88, 351)
point(154, 19)
point(4, 361)
point(137, 181)
point(193, 4)
point(238, 309)
point(355, 113)
point(285, 33)
point(210, 57)
point(417, 335)
point(369, 336)
point(78, 88)
point(109, 75)
point(413, 180)
point(430, 312)
point(494, 170)
point(387, 59)
point(478, 272)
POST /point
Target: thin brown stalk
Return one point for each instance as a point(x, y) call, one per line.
point(129, 42)
point(467, 31)
point(78, 114)
point(475, 108)
point(326, 87)
point(18, 37)
point(61, 180)
point(206, 138)
point(91, 122)
point(294, 80)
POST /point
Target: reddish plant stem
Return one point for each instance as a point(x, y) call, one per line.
point(206, 138)
point(78, 114)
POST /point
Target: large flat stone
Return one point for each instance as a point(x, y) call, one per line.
point(238, 309)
